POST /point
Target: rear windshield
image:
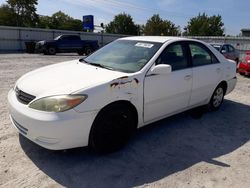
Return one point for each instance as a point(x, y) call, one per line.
point(216, 46)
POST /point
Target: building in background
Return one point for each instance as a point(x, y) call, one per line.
point(245, 32)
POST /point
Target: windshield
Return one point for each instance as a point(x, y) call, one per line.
point(124, 55)
point(57, 37)
point(216, 46)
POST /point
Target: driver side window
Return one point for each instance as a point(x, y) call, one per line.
point(174, 55)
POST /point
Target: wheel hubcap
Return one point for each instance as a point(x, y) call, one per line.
point(218, 97)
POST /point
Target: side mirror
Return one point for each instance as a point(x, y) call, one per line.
point(161, 69)
point(223, 51)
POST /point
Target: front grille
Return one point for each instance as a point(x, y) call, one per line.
point(23, 97)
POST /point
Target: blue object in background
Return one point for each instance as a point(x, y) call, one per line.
point(88, 22)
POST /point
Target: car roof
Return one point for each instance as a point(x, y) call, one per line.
point(220, 44)
point(160, 39)
point(164, 39)
point(68, 35)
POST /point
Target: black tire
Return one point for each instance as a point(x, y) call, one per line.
point(51, 50)
point(217, 98)
point(88, 50)
point(112, 128)
point(237, 61)
point(80, 52)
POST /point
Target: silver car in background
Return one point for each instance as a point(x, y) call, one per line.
point(227, 50)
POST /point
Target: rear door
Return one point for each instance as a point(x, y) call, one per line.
point(206, 73)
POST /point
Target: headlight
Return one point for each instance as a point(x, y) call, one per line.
point(58, 103)
point(42, 42)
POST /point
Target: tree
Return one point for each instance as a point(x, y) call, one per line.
point(44, 22)
point(157, 26)
point(60, 20)
point(122, 24)
point(7, 16)
point(203, 25)
point(25, 12)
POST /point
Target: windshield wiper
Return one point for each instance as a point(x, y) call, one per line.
point(83, 60)
point(101, 65)
point(96, 64)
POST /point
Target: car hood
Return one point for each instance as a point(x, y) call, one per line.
point(45, 41)
point(64, 78)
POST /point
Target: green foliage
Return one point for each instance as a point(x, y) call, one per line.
point(7, 16)
point(157, 26)
point(60, 20)
point(122, 24)
point(203, 25)
point(25, 12)
point(44, 22)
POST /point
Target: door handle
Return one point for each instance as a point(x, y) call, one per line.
point(187, 77)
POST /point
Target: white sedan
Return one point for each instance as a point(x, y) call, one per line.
point(100, 101)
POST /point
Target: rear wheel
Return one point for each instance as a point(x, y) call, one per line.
point(217, 98)
point(112, 128)
point(88, 50)
point(242, 74)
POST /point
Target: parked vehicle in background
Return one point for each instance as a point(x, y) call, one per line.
point(244, 66)
point(67, 43)
point(102, 99)
point(228, 51)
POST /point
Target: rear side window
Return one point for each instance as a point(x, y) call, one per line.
point(230, 48)
point(175, 56)
point(201, 55)
point(224, 48)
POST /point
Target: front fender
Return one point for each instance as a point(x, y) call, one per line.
point(121, 89)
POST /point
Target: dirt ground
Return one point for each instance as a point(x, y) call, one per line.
point(213, 151)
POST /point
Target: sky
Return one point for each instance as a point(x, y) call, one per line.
point(235, 13)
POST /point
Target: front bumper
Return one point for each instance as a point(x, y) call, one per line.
point(55, 131)
point(39, 48)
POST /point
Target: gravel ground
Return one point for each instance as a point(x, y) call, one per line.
point(213, 151)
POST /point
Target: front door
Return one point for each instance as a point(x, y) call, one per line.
point(168, 94)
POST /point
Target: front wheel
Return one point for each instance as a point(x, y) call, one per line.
point(237, 61)
point(217, 98)
point(80, 52)
point(112, 128)
point(51, 50)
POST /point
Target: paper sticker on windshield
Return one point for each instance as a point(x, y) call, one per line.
point(144, 45)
